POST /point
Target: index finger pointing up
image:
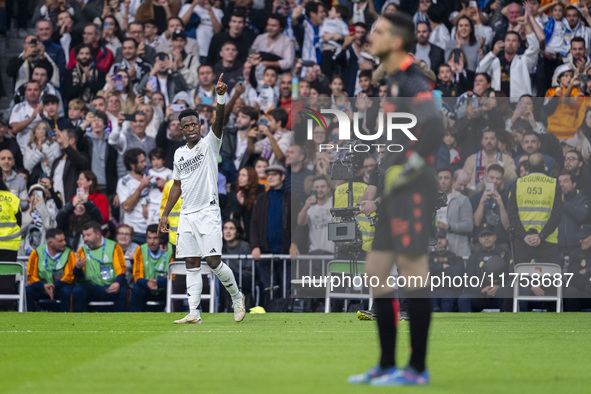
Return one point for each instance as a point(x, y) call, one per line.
point(221, 75)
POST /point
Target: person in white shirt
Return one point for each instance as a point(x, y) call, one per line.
point(24, 115)
point(316, 215)
point(210, 23)
point(278, 140)
point(159, 175)
point(132, 191)
point(199, 235)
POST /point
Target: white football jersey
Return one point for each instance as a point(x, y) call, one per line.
point(197, 169)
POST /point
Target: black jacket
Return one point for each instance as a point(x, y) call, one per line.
point(169, 146)
point(575, 211)
point(75, 163)
point(111, 166)
point(436, 55)
point(258, 223)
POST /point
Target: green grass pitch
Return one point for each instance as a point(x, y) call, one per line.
point(286, 353)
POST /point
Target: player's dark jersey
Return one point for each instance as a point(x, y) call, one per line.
point(410, 91)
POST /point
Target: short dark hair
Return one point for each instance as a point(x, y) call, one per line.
point(130, 157)
point(569, 173)
point(281, 19)
point(91, 224)
point(251, 112)
point(401, 25)
point(521, 125)
point(485, 75)
point(71, 134)
point(157, 153)
point(188, 112)
point(513, 32)
point(365, 73)
point(136, 22)
point(442, 65)
point(495, 167)
point(102, 115)
point(577, 39)
point(50, 99)
point(204, 65)
point(280, 115)
point(52, 233)
point(312, 7)
point(531, 132)
point(445, 169)
point(152, 228)
point(177, 18)
point(342, 11)
point(129, 39)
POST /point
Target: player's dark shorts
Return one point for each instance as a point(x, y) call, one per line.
point(406, 216)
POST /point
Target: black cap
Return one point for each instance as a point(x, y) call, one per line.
point(441, 233)
point(584, 231)
point(486, 229)
point(179, 34)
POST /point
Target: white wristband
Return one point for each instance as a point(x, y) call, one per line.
point(221, 99)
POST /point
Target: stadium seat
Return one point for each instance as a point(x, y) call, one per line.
point(341, 267)
point(178, 268)
point(527, 269)
point(17, 269)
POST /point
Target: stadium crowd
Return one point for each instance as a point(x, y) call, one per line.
point(98, 88)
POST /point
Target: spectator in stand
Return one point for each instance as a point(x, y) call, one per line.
point(456, 217)
point(101, 266)
point(444, 262)
point(100, 152)
point(87, 183)
point(170, 138)
point(146, 52)
point(185, 63)
point(576, 209)
point(50, 272)
point(242, 196)
point(40, 152)
point(124, 236)
point(55, 51)
point(531, 144)
point(165, 40)
point(74, 215)
point(65, 169)
point(42, 73)
point(234, 244)
point(306, 32)
point(563, 115)
point(577, 59)
point(168, 82)
point(275, 42)
point(65, 34)
point(159, 176)
point(229, 66)
point(133, 191)
point(26, 114)
point(241, 37)
point(573, 162)
point(315, 215)
point(210, 23)
point(36, 220)
point(277, 140)
point(510, 72)
point(103, 57)
point(83, 80)
point(465, 39)
point(136, 67)
point(297, 172)
point(431, 54)
point(350, 60)
point(158, 11)
point(112, 34)
point(124, 141)
point(489, 204)
point(526, 110)
point(10, 145)
point(235, 139)
point(477, 163)
point(20, 68)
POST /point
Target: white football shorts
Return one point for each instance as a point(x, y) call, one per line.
point(200, 233)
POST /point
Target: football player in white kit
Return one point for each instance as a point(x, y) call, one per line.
point(199, 235)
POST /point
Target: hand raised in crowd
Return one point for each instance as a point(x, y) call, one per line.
point(499, 45)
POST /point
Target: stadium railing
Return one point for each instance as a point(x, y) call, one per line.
point(19, 269)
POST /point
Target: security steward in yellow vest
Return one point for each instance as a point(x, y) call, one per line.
point(10, 221)
point(173, 217)
point(50, 272)
point(535, 211)
point(150, 269)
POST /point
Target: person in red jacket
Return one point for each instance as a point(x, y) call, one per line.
point(103, 57)
point(87, 181)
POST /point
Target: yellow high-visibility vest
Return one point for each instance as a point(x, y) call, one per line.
point(10, 231)
point(535, 195)
point(341, 201)
point(174, 215)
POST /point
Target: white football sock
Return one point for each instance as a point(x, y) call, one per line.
point(194, 288)
point(226, 276)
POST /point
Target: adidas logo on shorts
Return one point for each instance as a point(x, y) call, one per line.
point(212, 251)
